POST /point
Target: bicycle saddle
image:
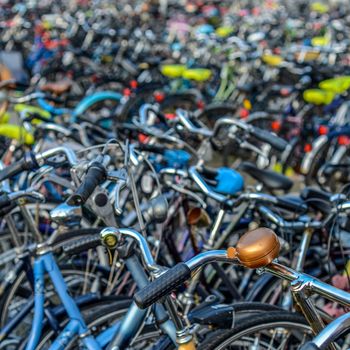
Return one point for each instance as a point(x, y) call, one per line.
point(223, 31)
point(320, 41)
point(256, 248)
point(317, 199)
point(272, 60)
point(307, 56)
point(57, 88)
point(269, 178)
point(197, 74)
point(223, 180)
point(172, 71)
point(336, 85)
point(318, 96)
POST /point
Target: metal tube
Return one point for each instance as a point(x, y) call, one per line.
point(302, 280)
point(302, 251)
point(216, 227)
point(71, 157)
point(204, 187)
point(332, 331)
point(207, 257)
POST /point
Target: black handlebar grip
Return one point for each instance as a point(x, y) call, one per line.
point(151, 148)
point(27, 163)
point(292, 205)
point(270, 138)
point(162, 286)
point(95, 175)
point(6, 210)
point(82, 245)
point(309, 346)
point(5, 201)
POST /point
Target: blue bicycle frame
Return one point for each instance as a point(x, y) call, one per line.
point(120, 333)
point(82, 106)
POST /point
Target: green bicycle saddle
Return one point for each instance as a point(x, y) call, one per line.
point(172, 71)
point(197, 74)
point(318, 96)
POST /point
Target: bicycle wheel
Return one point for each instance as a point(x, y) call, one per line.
point(278, 330)
point(98, 318)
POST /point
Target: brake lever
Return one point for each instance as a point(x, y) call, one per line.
point(120, 177)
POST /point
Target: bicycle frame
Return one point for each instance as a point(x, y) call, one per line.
point(302, 285)
point(82, 106)
point(120, 333)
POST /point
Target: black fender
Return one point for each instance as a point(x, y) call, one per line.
point(227, 316)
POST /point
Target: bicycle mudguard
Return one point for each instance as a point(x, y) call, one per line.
point(16, 132)
point(88, 101)
point(227, 316)
point(308, 157)
point(318, 144)
point(229, 181)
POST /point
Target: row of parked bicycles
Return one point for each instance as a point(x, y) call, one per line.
point(174, 176)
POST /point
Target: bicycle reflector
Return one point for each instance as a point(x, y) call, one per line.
point(323, 130)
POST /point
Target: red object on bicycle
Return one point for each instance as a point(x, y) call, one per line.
point(323, 130)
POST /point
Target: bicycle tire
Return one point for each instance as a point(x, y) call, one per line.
point(222, 339)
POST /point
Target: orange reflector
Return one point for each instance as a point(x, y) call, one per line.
point(344, 140)
point(276, 125)
point(307, 148)
point(159, 96)
point(126, 92)
point(133, 84)
point(243, 113)
point(143, 138)
point(323, 130)
point(170, 116)
point(200, 104)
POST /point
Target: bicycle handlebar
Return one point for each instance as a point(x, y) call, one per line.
point(33, 161)
point(95, 175)
point(175, 276)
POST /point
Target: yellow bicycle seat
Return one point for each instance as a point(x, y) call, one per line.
point(320, 41)
point(197, 74)
point(345, 79)
point(318, 96)
point(319, 7)
point(16, 132)
point(272, 60)
point(307, 56)
point(172, 71)
point(336, 85)
point(224, 31)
